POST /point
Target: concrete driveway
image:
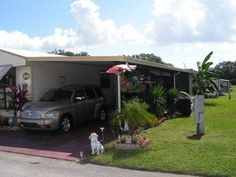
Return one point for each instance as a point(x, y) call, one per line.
point(53, 144)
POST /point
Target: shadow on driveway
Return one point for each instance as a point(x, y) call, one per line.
point(53, 144)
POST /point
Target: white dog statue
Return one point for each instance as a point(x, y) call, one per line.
point(96, 146)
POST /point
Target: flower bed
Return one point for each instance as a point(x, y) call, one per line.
point(131, 143)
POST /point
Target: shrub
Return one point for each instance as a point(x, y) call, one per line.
point(171, 98)
point(159, 101)
point(18, 98)
point(135, 113)
point(233, 81)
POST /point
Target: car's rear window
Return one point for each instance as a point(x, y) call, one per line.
point(56, 95)
point(99, 91)
point(90, 93)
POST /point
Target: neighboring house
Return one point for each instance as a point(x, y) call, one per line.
point(42, 71)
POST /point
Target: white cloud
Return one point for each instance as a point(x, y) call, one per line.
point(60, 39)
point(188, 54)
point(92, 29)
point(179, 21)
point(19, 40)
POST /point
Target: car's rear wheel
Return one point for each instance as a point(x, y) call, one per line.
point(102, 115)
point(65, 124)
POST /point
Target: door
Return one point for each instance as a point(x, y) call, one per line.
point(91, 101)
point(81, 105)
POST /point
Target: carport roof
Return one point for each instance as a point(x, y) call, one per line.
point(31, 56)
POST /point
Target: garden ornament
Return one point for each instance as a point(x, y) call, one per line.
point(96, 146)
point(102, 130)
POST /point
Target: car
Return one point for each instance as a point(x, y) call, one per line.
point(184, 104)
point(63, 107)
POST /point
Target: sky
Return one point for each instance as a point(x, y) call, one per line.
point(181, 32)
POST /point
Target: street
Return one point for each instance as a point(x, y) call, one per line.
point(19, 165)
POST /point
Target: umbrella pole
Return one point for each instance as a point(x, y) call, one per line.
point(126, 126)
point(118, 93)
point(118, 97)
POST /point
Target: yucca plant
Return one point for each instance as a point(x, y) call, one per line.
point(159, 101)
point(135, 113)
point(171, 97)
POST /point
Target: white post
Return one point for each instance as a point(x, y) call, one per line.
point(199, 114)
point(118, 92)
point(126, 126)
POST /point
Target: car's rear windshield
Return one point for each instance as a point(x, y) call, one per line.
point(56, 95)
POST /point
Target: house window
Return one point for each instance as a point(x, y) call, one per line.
point(104, 80)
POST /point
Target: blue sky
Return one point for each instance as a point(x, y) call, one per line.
point(182, 32)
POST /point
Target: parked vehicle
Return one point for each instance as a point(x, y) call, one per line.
point(63, 107)
point(184, 104)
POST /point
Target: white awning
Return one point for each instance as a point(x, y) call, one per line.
point(3, 70)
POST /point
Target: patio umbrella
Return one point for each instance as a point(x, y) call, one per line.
point(118, 69)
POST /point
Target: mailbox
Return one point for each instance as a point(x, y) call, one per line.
point(199, 114)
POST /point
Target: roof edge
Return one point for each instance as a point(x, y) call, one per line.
point(78, 58)
point(158, 65)
point(11, 53)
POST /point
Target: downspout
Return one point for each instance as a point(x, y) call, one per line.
point(175, 74)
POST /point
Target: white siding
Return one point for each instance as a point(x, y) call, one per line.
point(20, 70)
point(10, 59)
point(46, 75)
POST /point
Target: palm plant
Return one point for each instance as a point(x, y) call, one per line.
point(135, 113)
point(205, 77)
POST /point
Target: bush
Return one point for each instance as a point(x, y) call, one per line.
point(171, 98)
point(159, 101)
point(233, 81)
point(135, 113)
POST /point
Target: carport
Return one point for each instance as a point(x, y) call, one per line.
point(43, 71)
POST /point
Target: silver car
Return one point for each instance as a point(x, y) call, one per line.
point(61, 108)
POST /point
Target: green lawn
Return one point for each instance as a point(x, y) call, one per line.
point(174, 149)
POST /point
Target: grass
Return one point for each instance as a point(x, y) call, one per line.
point(175, 149)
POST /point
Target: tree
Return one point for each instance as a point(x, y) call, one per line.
point(227, 69)
point(148, 57)
point(68, 53)
point(205, 77)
